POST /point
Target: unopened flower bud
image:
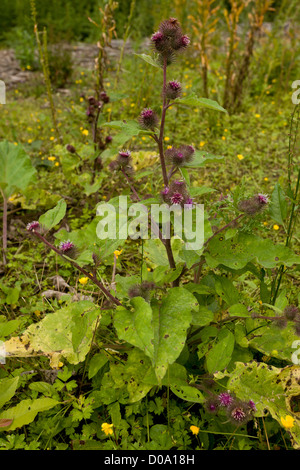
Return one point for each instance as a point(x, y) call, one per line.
point(70, 148)
point(104, 97)
point(290, 312)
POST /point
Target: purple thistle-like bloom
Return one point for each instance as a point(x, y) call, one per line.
point(225, 399)
point(173, 90)
point(254, 204)
point(33, 226)
point(238, 414)
point(252, 405)
point(185, 41)
point(124, 157)
point(178, 157)
point(66, 246)
point(263, 198)
point(148, 119)
point(176, 198)
point(189, 203)
point(125, 153)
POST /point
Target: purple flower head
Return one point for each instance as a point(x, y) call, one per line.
point(108, 139)
point(254, 204)
point(148, 119)
point(185, 41)
point(176, 198)
point(33, 226)
point(263, 198)
point(240, 412)
point(124, 157)
point(181, 42)
point(158, 36)
point(225, 399)
point(189, 203)
point(173, 90)
point(180, 156)
point(66, 246)
point(252, 405)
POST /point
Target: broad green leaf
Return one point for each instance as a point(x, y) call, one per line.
point(201, 190)
point(135, 326)
point(220, 354)
point(96, 363)
point(171, 320)
point(237, 252)
point(203, 316)
point(201, 158)
point(7, 389)
point(193, 100)
point(271, 388)
point(26, 411)
point(149, 59)
point(158, 330)
point(8, 327)
point(239, 310)
point(52, 217)
point(226, 290)
point(66, 333)
point(16, 170)
point(127, 379)
point(273, 341)
point(128, 129)
point(278, 205)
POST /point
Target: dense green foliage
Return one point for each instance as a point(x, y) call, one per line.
point(109, 346)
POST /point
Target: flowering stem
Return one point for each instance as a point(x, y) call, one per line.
point(131, 186)
point(87, 274)
point(162, 127)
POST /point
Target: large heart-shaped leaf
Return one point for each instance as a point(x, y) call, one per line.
point(158, 330)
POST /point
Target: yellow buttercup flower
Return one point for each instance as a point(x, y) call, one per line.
point(288, 421)
point(85, 132)
point(276, 227)
point(51, 159)
point(117, 253)
point(195, 430)
point(240, 157)
point(107, 429)
point(83, 280)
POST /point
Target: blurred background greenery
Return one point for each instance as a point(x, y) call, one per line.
point(68, 19)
